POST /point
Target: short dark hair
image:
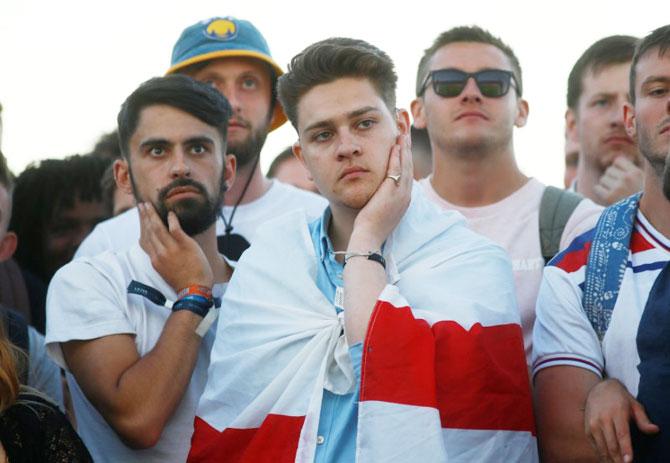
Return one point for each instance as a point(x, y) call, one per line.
point(615, 49)
point(658, 38)
point(467, 34)
point(41, 191)
point(198, 99)
point(285, 155)
point(331, 59)
point(6, 177)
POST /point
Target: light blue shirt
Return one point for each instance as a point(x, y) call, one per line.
point(338, 421)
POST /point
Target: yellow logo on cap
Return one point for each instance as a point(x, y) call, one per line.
point(222, 29)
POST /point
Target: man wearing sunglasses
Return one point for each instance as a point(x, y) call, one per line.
point(469, 91)
point(608, 169)
point(231, 55)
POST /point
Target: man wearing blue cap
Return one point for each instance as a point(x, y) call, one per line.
point(232, 55)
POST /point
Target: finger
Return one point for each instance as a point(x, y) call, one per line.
point(174, 227)
point(622, 431)
point(601, 192)
point(158, 233)
point(598, 442)
point(394, 164)
point(612, 443)
point(642, 421)
point(610, 181)
point(624, 163)
point(406, 164)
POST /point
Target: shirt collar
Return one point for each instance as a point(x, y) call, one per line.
point(325, 246)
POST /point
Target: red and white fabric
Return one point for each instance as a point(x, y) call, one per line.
point(443, 374)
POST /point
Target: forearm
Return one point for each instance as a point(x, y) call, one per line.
point(138, 401)
point(364, 280)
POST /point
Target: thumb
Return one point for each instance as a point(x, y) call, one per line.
point(641, 419)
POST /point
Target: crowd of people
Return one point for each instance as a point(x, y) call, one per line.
point(395, 289)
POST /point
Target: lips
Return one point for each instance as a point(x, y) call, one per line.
point(619, 139)
point(352, 172)
point(181, 190)
point(237, 124)
point(468, 114)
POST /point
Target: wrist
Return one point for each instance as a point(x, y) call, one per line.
point(363, 241)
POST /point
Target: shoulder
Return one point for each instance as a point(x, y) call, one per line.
point(117, 233)
point(295, 197)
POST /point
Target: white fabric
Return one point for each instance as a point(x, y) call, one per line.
point(513, 223)
point(43, 373)
point(88, 299)
point(123, 231)
point(277, 347)
point(563, 334)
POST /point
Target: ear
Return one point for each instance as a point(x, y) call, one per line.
point(8, 246)
point(402, 120)
point(277, 113)
point(418, 113)
point(629, 120)
point(571, 125)
point(122, 176)
point(522, 110)
point(230, 170)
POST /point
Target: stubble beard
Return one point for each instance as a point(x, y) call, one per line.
point(248, 150)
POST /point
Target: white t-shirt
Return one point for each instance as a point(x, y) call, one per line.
point(88, 299)
point(123, 231)
point(514, 223)
point(563, 334)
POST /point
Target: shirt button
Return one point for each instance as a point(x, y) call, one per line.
point(320, 440)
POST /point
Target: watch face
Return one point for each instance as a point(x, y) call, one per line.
point(232, 245)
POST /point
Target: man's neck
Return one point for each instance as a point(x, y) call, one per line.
point(654, 205)
point(341, 226)
point(207, 242)
point(258, 185)
point(474, 181)
point(587, 177)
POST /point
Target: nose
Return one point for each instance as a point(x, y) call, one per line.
point(180, 165)
point(230, 93)
point(348, 145)
point(471, 91)
point(616, 112)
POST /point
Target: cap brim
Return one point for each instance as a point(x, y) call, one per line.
point(279, 116)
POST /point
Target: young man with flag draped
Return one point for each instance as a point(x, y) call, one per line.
point(385, 330)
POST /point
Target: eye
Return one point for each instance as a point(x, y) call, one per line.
point(157, 151)
point(249, 83)
point(366, 124)
point(601, 102)
point(658, 91)
point(322, 136)
point(198, 149)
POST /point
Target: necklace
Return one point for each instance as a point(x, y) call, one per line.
point(232, 245)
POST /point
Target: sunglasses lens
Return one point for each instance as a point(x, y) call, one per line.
point(449, 83)
point(448, 89)
point(493, 84)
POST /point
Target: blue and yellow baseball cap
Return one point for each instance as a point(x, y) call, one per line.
point(223, 38)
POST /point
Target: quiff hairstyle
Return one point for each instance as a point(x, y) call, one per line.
point(659, 38)
point(331, 59)
point(467, 34)
point(616, 49)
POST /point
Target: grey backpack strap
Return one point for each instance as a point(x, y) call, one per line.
point(556, 207)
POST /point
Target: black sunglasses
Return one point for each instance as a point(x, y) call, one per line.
point(449, 83)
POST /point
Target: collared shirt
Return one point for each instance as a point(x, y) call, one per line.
point(338, 421)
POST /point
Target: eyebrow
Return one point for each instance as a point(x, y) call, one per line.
point(164, 142)
point(654, 79)
point(350, 115)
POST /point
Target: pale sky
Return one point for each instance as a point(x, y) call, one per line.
point(68, 65)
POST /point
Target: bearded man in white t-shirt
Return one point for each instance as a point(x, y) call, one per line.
point(469, 91)
point(131, 327)
point(231, 55)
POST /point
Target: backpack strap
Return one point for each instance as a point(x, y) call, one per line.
point(607, 261)
point(556, 207)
